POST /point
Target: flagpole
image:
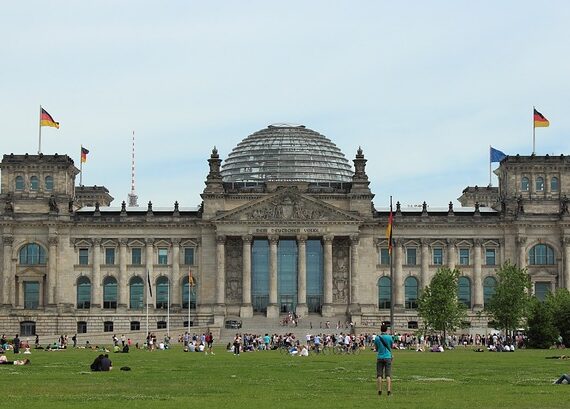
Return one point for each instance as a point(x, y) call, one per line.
point(168, 312)
point(391, 277)
point(146, 298)
point(533, 129)
point(490, 184)
point(81, 167)
point(40, 133)
point(189, 297)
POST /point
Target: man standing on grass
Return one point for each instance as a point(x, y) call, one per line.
point(383, 343)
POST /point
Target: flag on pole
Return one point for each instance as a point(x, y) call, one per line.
point(84, 153)
point(47, 120)
point(389, 229)
point(148, 280)
point(191, 280)
point(539, 120)
point(496, 155)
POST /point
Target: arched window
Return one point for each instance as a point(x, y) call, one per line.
point(189, 293)
point(136, 292)
point(554, 184)
point(83, 293)
point(34, 183)
point(539, 184)
point(489, 286)
point(464, 291)
point(411, 292)
point(524, 184)
point(19, 183)
point(162, 292)
point(110, 293)
point(32, 254)
point(384, 292)
point(49, 183)
point(541, 254)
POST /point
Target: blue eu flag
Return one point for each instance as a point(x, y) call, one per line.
point(497, 155)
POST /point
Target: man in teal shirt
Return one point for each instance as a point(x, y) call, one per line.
point(383, 343)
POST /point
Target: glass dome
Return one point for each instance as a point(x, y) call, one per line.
point(288, 153)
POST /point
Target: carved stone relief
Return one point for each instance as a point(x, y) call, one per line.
point(288, 208)
point(341, 263)
point(234, 268)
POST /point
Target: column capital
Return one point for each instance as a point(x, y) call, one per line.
point(274, 239)
point(425, 242)
point(302, 238)
point(477, 242)
point(175, 241)
point(96, 242)
point(149, 241)
point(565, 241)
point(398, 242)
point(53, 241)
point(8, 240)
point(221, 239)
point(247, 238)
point(328, 238)
point(521, 241)
point(451, 242)
point(123, 242)
point(354, 239)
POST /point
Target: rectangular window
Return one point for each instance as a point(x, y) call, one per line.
point(464, 257)
point(83, 257)
point(31, 295)
point(411, 257)
point(81, 327)
point(384, 257)
point(541, 290)
point(109, 256)
point(136, 256)
point(189, 256)
point(135, 326)
point(162, 256)
point(108, 326)
point(490, 257)
point(438, 256)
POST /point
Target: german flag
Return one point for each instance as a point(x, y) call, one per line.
point(539, 120)
point(47, 120)
point(84, 153)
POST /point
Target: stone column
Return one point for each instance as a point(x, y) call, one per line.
point(566, 281)
point(398, 283)
point(273, 308)
point(246, 309)
point(424, 279)
point(123, 298)
point(302, 309)
point(521, 241)
point(174, 276)
point(221, 270)
point(52, 271)
point(477, 279)
point(96, 293)
point(7, 281)
point(354, 274)
point(451, 254)
point(328, 276)
point(149, 261)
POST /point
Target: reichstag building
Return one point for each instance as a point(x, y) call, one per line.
point(287, 224)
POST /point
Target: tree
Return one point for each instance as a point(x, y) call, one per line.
point(559, 303)
point(438, 304)
point(510, 304)
point(541, 331)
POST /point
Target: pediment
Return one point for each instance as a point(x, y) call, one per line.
point(288, 205)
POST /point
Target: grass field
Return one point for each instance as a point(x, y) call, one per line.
point(174, 379)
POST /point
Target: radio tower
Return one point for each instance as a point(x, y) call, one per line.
point(132, 202)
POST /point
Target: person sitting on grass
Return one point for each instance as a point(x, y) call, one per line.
point(562, 379)
point(4, 361)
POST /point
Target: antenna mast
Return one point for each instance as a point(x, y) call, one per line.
point(132, 202)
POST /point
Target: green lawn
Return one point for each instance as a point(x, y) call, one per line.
point(173, 379)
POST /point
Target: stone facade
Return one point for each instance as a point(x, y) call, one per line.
point(66, 267)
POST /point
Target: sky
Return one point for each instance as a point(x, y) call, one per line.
point(423, 87)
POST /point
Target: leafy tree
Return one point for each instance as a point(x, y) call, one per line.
point(438, 304)
point(559, 303)
point(510, 304)
point(541, 330)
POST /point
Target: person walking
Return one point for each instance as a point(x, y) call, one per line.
point(383, 343)
point(16, 344)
